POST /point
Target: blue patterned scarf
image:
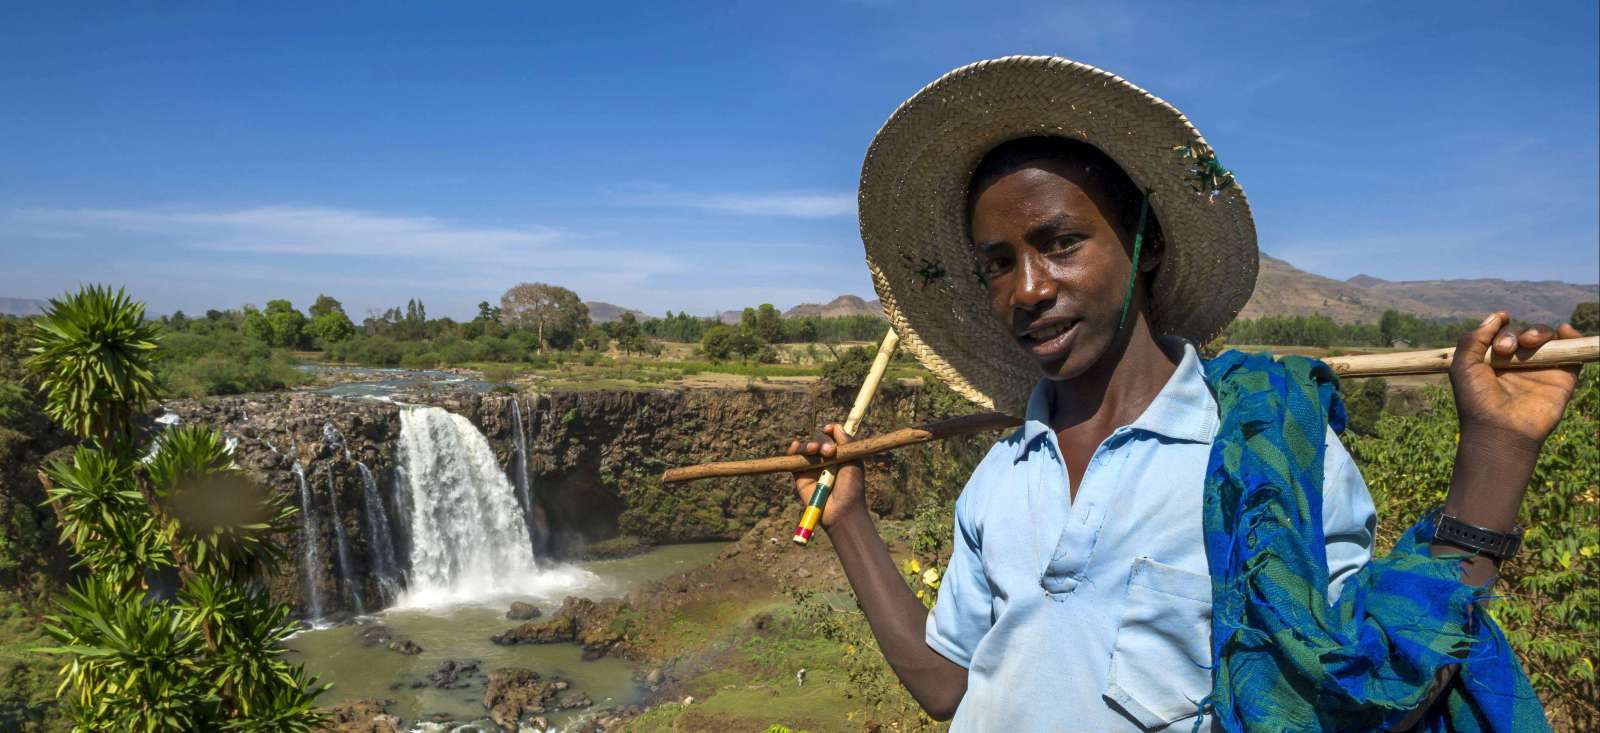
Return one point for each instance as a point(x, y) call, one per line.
point(1285, 659)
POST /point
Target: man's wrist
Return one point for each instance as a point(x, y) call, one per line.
point(852, 522)
point(1491, 474)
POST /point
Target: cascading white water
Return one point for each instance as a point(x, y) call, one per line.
point(346, 573)
point(469, 541)
point(520, 442)
point(308, 538)
point(379, 542)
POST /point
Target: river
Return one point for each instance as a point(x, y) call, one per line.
point(461, 633)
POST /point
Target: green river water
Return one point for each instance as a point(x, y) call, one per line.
point(461, 633)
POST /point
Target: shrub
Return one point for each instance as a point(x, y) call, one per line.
point(1551, 606)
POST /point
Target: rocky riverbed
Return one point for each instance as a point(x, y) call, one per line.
point(592, 462)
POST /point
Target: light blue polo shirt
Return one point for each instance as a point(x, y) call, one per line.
point(1095, 614)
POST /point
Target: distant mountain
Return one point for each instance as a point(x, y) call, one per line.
point(844, 305)
point(1284, 290)
point(22, 306)
point(600, 312)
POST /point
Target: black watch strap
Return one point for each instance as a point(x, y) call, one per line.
point(1498, 545)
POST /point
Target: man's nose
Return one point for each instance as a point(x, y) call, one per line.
point(1034, 284)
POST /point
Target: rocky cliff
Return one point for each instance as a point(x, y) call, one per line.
point(594, 458)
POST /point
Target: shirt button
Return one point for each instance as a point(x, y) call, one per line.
point(1058, 583)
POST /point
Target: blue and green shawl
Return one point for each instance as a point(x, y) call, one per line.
point(1286, 660)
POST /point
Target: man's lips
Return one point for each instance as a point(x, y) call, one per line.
point(1050, 339)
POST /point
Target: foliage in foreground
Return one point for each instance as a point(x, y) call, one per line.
point(1551, 603)
point(170, 630)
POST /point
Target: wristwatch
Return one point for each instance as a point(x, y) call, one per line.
point(1498, 545)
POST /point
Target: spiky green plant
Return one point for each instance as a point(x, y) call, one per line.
point(92, 352)
point(212, 659)
point(225, 522)
point(105, 517)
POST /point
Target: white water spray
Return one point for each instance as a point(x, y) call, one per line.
point(308, 538)
point(346, 574)
point(379, 541)
point(469, 541)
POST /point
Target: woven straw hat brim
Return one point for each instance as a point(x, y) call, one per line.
point(914, 222)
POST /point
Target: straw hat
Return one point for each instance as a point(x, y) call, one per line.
point(914, 221)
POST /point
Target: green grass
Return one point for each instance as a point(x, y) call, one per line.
point(27, 678)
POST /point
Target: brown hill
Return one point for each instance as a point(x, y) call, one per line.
point(1284, 290)
point(601, 312)
point(844, 305)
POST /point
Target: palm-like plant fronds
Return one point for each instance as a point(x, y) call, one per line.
point(131, 664)
point(92, 352)
point(104, 517)
point(211, 660)
point(227, 523)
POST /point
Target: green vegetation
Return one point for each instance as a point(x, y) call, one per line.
point(1551, 604)
point(1323, 331)
point(167, 631)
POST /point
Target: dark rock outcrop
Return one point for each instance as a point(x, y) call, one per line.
point(515, 692)
point(595, 458)
point(522, 611)
point(595, 626)
point(360, 716)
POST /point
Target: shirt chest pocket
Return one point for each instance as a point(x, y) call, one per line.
point(1160, 666)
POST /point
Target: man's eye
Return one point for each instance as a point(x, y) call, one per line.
point(996, 265)
point(1063, 243)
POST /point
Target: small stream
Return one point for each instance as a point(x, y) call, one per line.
point(385, 383)
point(461, 633)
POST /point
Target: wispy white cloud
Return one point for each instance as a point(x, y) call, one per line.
point(780, 204)
point(307, 230)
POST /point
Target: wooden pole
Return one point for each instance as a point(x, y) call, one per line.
point(1560, 352)
point(1437, 361)
point(819, 496)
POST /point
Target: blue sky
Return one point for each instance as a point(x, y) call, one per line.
point(669, 156)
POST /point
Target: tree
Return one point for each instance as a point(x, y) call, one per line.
point(555, 313)
point(719, 341)
point(326, 304)
point(768, 324)
point(280, 325)
point(805, 329)
point(92, 352)
point(331, 328)
point(747, 345)
point(211, 657)
point(1586, 318)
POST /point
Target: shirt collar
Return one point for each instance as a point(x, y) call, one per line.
point(1183, 410)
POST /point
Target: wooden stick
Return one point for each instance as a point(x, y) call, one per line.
point(819, 495)
point(1554, 353)
point(1560, 352)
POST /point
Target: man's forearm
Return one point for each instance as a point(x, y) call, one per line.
point(1491, 474)
point(897, 618)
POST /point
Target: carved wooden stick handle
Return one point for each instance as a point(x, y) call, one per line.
point(1553, 353)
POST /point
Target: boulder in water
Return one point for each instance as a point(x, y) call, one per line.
point(406, 647)
point(522, 611)
point(375, 635)
point(558, 629)
point(360, 716)
point(514, 692)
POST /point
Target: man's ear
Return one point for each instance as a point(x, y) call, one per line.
point(1150, 258)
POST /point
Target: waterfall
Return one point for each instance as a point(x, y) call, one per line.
point(469, 541)
point(520, 442)
point(379, 542)
point(308, 524)
point(346, 576)
point(331, 436)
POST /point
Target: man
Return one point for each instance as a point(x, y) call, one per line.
point(1163, 539)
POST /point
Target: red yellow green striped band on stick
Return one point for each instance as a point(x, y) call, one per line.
point(819, 496)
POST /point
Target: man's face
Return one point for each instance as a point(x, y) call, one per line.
point(1055, 261)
